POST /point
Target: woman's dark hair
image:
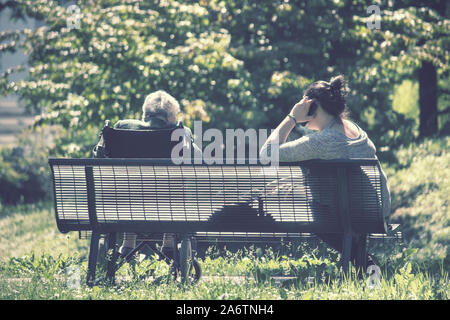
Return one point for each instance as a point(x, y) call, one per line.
point(331, 95)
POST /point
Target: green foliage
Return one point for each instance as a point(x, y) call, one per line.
point(44, 265)
point(411, 33)
point(24, 170)
point(24, 175)
point(122, 52)
point(420, 191)
point(408, 37)
point(230, 63)
point(405, 101)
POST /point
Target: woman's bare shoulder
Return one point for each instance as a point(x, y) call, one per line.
point(350, 129)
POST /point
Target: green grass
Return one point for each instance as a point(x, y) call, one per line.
point(420, 187)
point(46, 277)
point(32, 228)
point(36, 260)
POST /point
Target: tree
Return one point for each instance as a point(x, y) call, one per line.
point(415, 37)
point(122, 51)
point(287, 45)
point(240, 63)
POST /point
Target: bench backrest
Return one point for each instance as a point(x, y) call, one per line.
point(125, 143)
point(154, 195)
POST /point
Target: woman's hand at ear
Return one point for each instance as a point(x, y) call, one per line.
point(300, 110)
point(278, 136)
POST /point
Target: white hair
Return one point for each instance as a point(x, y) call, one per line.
point(160, 103)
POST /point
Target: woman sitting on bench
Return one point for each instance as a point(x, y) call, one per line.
point(323, 108)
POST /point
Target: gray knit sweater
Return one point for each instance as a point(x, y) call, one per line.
point(332, 144)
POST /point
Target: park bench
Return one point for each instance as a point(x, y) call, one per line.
point(220, 201)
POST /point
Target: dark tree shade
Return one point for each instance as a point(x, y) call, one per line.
point(428, 95)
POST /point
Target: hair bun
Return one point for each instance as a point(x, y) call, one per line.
point(331, 95)
point(338, 85)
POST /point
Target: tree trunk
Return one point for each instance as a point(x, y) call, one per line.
point(428, 99)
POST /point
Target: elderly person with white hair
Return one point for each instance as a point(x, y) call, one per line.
point(159, 111)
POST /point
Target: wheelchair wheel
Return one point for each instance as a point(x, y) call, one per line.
point(189, 268)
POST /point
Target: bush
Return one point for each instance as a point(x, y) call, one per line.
point(24, 170)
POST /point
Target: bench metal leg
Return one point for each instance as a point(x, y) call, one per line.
point(176, 254)
point(361, 251)
point(92, 263)
point(185, 258)
point(111, 270)
point(346, 251)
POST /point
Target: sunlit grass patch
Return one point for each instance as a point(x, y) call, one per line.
point(45, 277)
point(25, 229)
